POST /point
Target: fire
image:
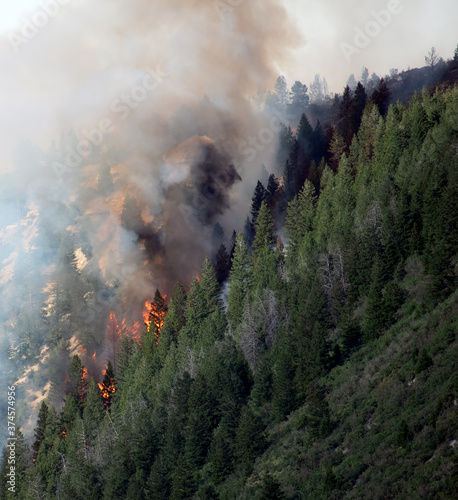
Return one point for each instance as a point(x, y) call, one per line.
point(94, 355)
point(107, 387)
point(197, 277)
point(115, 328)
point(155, 313)
point(83, 384)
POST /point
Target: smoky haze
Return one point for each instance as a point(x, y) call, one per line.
point(122, 128)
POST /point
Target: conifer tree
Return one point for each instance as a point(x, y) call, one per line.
point(299, 99)
point(210, 287)
point(93, 411)
point(259, 196)
point(40, 429)
point(77, 384)
point(222, 262)
point(196, 306)
point(175, 318)
point(300, 214)
point(240, 280)
point(264, 236)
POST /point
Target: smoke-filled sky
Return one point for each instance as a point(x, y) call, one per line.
point(415, 26)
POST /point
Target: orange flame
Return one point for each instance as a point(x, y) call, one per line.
point(107, 388)
point(156, 315)
point(115, 329)
point(83, 383)
point(94, 355)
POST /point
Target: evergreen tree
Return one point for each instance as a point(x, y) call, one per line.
point(318, 142)
point(222, 263)
point(249, 441)
point(196, 306)
point(357, 107)
point(380, 97)
point(157, 315)
point(93, 411)
point(264, 236)
point(40, 429)
point(259, 196)
point(285, 143)
point(77, 384)
point(300, 214)
point(281, 93)
point(240, 276)
point(299, 99)
point(210, 287)
point(271, 191)
point(175, 317)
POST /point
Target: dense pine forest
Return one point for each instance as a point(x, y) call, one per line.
point(315, 354)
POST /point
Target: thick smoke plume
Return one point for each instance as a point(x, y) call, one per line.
point(124, 125)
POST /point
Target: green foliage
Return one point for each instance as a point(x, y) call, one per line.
point(240, 280)
point(231, 404)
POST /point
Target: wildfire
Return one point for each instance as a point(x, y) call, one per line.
point(115, 329)
point(107, 387)
point(155, 313)
point(94, 355)
point(82, 387)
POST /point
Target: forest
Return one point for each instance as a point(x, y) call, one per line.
point(314, 354)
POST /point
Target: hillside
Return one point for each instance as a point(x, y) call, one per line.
point(315, 354)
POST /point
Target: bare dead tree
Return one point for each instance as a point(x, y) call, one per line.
point(267, 315)
point(432, 58)
point(249, 339)
point(334, 283)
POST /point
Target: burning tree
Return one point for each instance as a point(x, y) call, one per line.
point(77, 379)
point(155, 314)
point(107, 387)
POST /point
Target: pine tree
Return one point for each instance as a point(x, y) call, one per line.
point(285, 143)
point(259, 196)
point(357, 107)
point(77, 384)
point(210, 287)
point(40, 429)
point(318, 143)
point(336, 149)
point(93, 411)
point(299, 99)
point(107, 387)
point(222, 262)
point(380, 97)
point(175, 317)
point(264, 236)
point(300, 214)
point(157, 315)
point(196, 307)
point(240, 280)
point(281, 93)
point(249, 441)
